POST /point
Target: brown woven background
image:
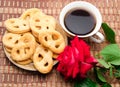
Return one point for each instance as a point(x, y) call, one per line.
point(12, 76)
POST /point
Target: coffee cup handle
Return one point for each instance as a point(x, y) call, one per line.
point(100, 36)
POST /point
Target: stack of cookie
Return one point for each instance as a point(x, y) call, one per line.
point(33, 38)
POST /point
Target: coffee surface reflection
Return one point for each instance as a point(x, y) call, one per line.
point(79, 22)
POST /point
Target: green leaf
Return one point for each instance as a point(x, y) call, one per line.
point(106, 85)
point(104, 63)
point(103, 70)
point(87, 82)
point(100, 75)
point(109, 33)
point(111, 72)
point(111, 54)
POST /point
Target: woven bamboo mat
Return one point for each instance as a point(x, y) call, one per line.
point(12, 76)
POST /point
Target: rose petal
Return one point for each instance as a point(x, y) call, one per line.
point(78, 48)
point(84, 68)
point(91, 60)
point(75, 70)
point(86, 48)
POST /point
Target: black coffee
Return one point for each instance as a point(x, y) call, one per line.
point(79, 22)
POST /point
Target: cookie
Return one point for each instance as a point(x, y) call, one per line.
point(40, 22)
point(42, 59)
point(53, 40)
point(26, 15)
point(17, 25)
point(10, 40)
point(25, 48)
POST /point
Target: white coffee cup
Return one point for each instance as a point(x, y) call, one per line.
point(90, 9)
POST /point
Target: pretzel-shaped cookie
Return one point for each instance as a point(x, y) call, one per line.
point(10, 40)
point(22, 52)
point(29, 13)
point(25, 48)
point(53, 40)
point(41, 22)
point(16, 25)
point(42, 59)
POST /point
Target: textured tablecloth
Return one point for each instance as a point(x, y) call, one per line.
point(12, 76)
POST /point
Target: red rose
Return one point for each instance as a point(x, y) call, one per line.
point(75, 59)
